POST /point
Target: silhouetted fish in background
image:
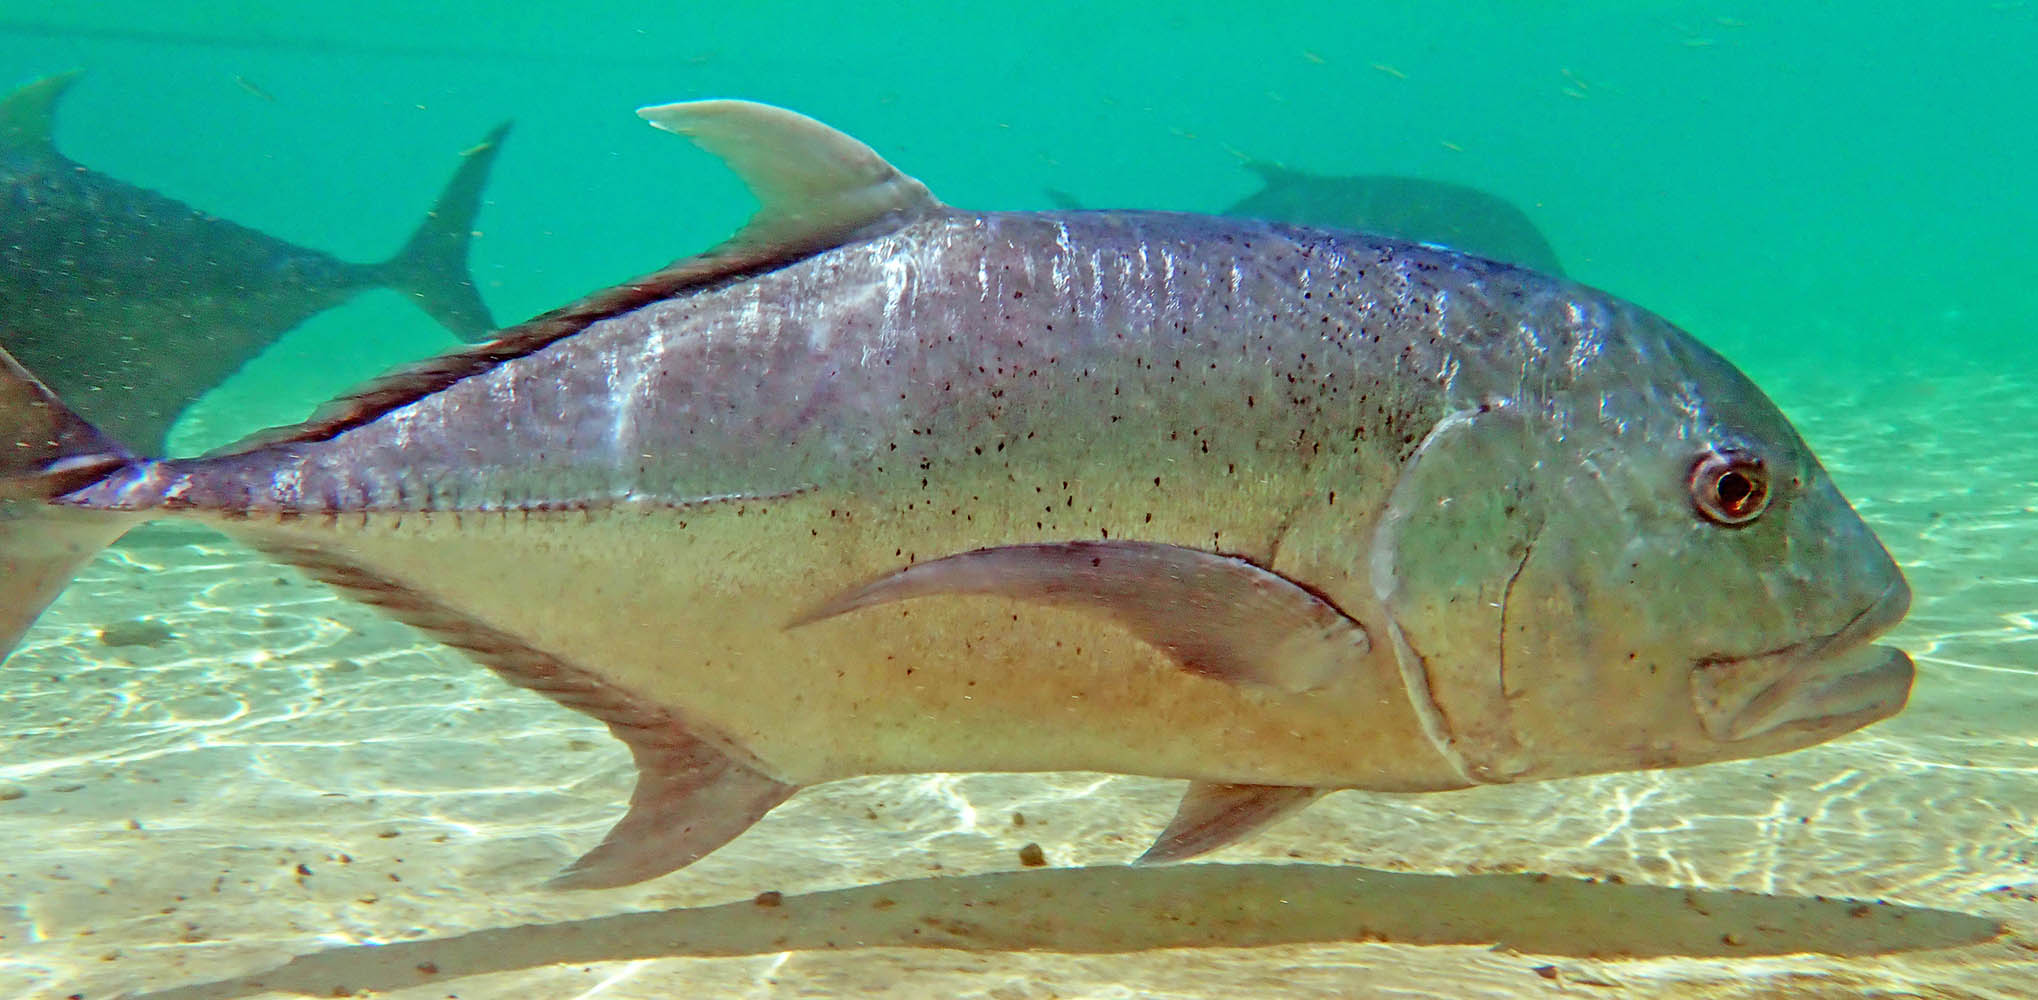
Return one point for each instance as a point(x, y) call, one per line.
point(133, 304)
point(1462, 218)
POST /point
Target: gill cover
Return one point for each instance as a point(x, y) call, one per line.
point(1456, 533)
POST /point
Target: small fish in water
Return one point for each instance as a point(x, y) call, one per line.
point(1439, 213)
point(885, 486)
point(251, 87)
point(132, 305)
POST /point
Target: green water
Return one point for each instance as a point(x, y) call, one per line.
point(1798, 183)
point(1838, 196)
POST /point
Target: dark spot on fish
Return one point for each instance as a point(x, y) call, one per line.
point(769, 897)
point(1032, 856)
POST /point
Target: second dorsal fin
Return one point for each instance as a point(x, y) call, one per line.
point(815, 186)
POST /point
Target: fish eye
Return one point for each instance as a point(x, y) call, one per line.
point(1729, 487)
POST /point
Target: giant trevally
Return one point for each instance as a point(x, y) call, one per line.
point(132, 304)
point(881, 486)
point(1415, 209)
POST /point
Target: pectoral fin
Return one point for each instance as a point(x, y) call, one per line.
point(1213, 814)
point(1215, 615)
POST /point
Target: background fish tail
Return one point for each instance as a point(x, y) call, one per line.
point(432, 267)
point(46, 451)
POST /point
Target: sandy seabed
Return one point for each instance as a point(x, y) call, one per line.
point(218, 779)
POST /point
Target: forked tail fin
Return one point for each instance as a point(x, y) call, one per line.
point(46, 451)
point(432, 267)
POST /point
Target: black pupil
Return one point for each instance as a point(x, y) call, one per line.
point(1735, 489)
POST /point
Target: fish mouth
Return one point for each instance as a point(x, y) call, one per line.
point(1830, 684)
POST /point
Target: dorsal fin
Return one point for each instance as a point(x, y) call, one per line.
point(818, 188)
point(815, 187)
point(26, 114)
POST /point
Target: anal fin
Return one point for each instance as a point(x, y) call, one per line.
point(691, 799)
point(1213, 814)
point(695, 791)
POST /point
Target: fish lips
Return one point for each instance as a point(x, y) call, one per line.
point(1828, 684)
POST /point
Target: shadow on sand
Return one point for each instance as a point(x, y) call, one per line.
point(1123, 909)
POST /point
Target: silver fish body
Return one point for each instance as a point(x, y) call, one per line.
point(967, 382)
point(1274, 509)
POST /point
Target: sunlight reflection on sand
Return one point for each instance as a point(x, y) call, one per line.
point(286, 773)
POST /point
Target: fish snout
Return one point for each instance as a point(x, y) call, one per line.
point(1878, 617)
point(1828, 684)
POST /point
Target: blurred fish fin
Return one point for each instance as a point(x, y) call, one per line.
point(816, 187)
point(1064, 201)
point(1213, 814)
point(27, 115)
point(46, 451)
point(1215, 615)
point(1272, 173)
point(433, 268)
point(695, 790)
